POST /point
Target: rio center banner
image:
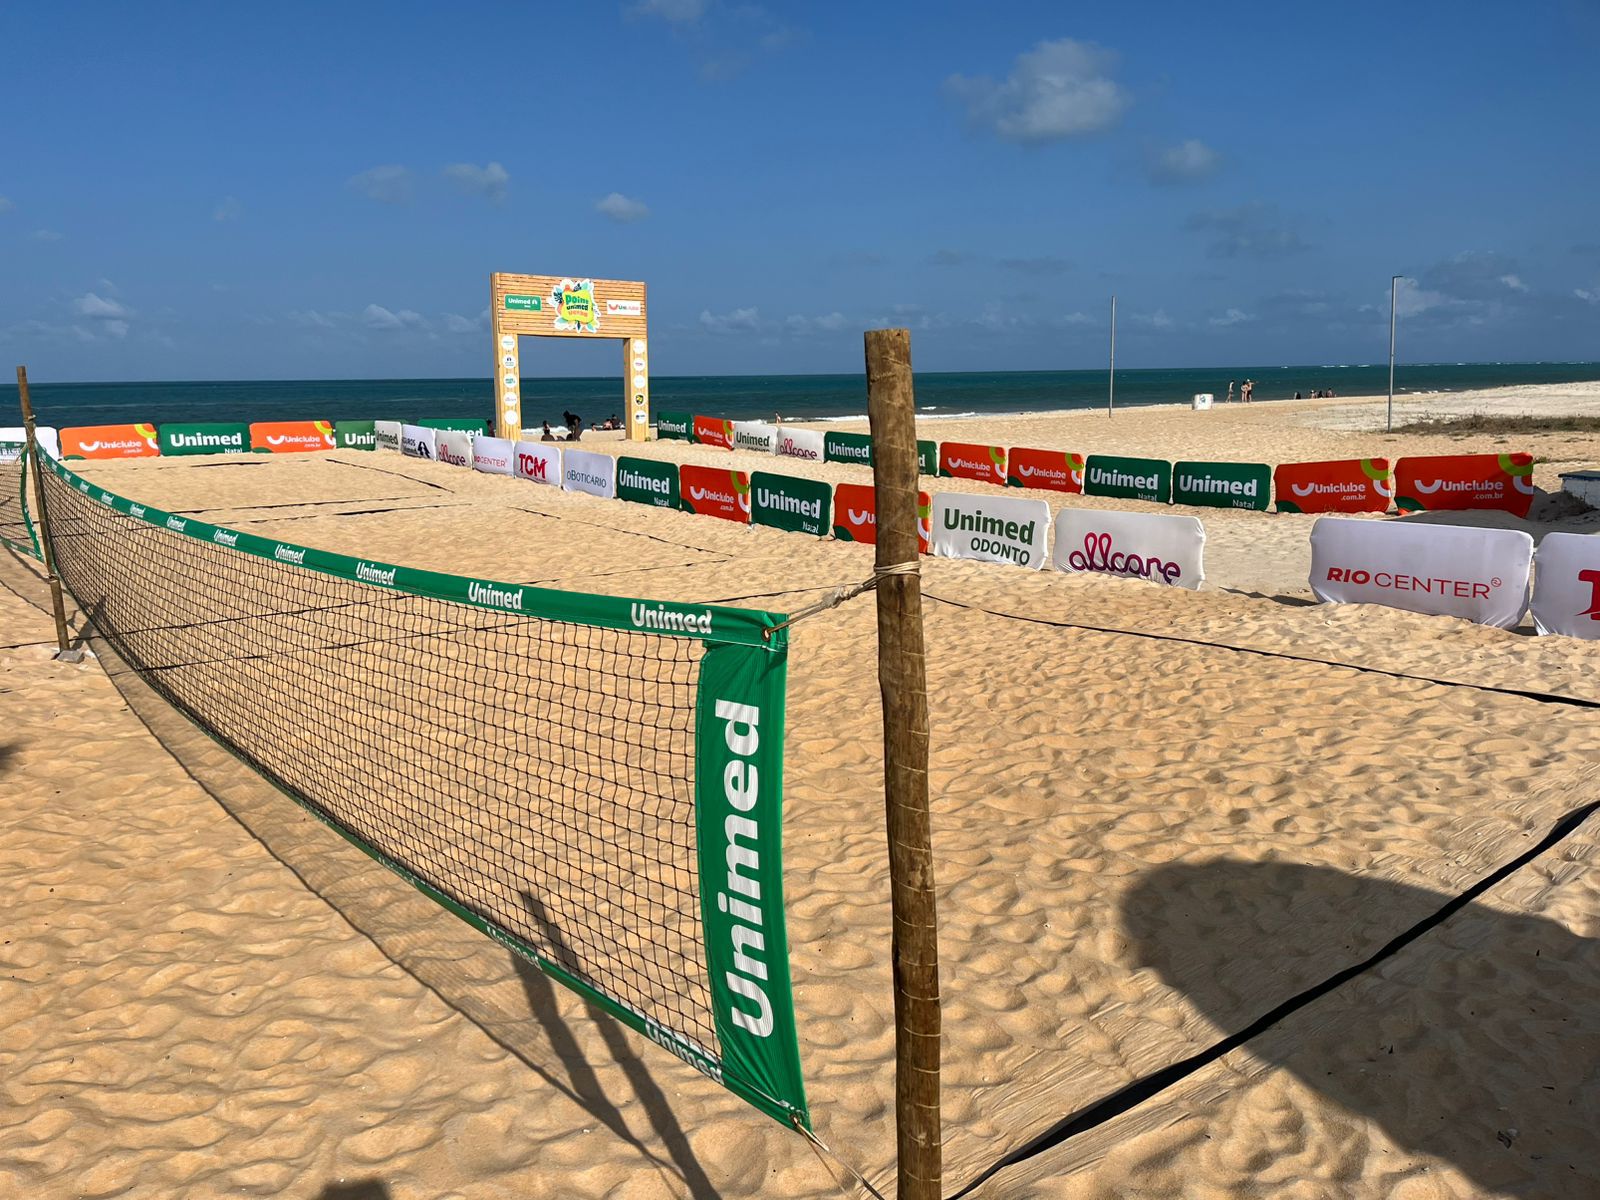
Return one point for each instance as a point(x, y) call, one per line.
point(492, 455)
point(855, 515)
point(801, 443)
point(538, 462)
point(1154, 546)
point(991, 528)
point(1052, 470)
point(1446, 570)
point(109, 441)
point(1453, 482)
point(588, 472)
point(715, 492)
point(1346, 485)
point(291, 437)
point(1566, 585)
point(967, 460)
point(418, 441)
point(453, 446)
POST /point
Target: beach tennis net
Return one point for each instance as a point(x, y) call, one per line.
point(594, 781)
point(16, 527)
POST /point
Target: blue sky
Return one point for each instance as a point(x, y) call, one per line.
point(306, 190)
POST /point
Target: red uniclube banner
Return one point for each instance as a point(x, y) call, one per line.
point(855, 515)
point(1053, 470)
point(1346, 485)
point(291, 437)
point(714, 492)
point(110, 441)
point(968, 460)
point(713, 431)
point(1451, 482)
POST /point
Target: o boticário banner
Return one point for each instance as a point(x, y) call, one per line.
point(1128, 478)
point(110, 441)
point(588, 472)
point(801, 443)
point(855, 515)
point(785, 502)
point(1448, 570)
point(387, 434)
point(715, 492)
point(674, 426)
point(968, 460)
point(927, 457)
point(538, 462)
point(493, 456)
point(453, 446)
point(991, 528)
point(204, 439)
point(648, 481)
point(759, 436)
point(1154, 546)
point(355, 435)
point(1452, 482)
point(1338, 486)
point(847, 448)
point(417, 441)
point(713, 431)
point(460, 424)
point(1222, 484)
point(291, 437)
point(1053, 470)
point(1566, 585)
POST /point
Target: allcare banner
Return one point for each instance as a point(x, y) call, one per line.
point(991, 528)
point(453, 446)
point(1155, 546)
point(801, 443)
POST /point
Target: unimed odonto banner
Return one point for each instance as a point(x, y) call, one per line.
point(648, 481)
point(110, 441)
point(460, 424)
point(968, 460)
point(1566, 585)
point(1052, 470)
point(714, 492)
point(588, 472)
point(387, 434)
point(1452, 482)
point(713, 431)
point(801, 443)
point(1448, 570)
point(538, 462)
point(991, 528)
point(760, 436)
point(785, 502)
point(1222, 484)
point(1346, 485)
point(493, 456)
point(204, 439)
point(417, 441)
point(1154, 546)
point(453, 446)
point(855, 515)
point(1128, 478)
point(355, 435)
point(291, 437)
point(674, 426)
point(847, 448)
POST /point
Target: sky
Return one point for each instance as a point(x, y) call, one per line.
point(314, 190)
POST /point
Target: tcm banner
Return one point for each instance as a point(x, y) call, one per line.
point(855, 515)
point(1128, 478)
point(1053, 470)
point(648, 481)
point(755, 435)
point(387, 434)
point(204, 439)
point(1340, 486)
point(784, 502)
point(1449, 570)
point(355, 435)
point(110, 441)
point(1153, 546)
point(1446, 482)
point(493, 456)
point(801, 443)
point(1222, 484)
point(966, 460)
point(674, 427)
point(417, 442)
point(537, 461)
point(713, 492)
point(460, 424)
point(847, 448)
point(291, 437)
point(588, 472)
point(453, 446)
point(713, 431)
point(991, 528)
point(927, 457)
point(1566, 585)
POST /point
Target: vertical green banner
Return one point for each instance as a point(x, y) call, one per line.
point(785, 502)
point(927, 457)
point(1128, 478)
point(847, 447)
point(739, 831)
point(1222, 484)
point(648, 481)
point(674, 426)
point(355, 435)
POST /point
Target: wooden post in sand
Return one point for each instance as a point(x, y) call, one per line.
point(36, 465)
point(902, 677)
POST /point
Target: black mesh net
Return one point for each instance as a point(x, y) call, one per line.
point(14, 529)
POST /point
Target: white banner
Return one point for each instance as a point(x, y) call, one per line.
point(756, 435)
point(1566, 585)
point(538, 461)
point(1163, 549)
point(454, 446)
point(801, 443)
point(991, 528)
point(15, 435)
point(586, 471)
point(418, 442)
point(492, 455)
point(388, 434)
point(1449, 570)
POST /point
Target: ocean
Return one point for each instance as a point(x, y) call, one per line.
point(796, 397)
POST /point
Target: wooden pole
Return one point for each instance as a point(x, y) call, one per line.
point(902, 677)
point(36, 464)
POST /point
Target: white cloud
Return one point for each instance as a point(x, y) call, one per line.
point(47, 235)
point(1155, 320)
point(228, 209)
point(108, 317)
point(375, 316)
point(5, 204)
point(621, 209)
point(311, 318)
point(740, 320)
point(456, 323)
point(1514, 283)
point(489, 181)
point(678, 12)
point(1411, 299)
point(1057, 90)
point(1185, 162)
point(1587, 295)
point(827, 323)
point(1233, 316)
point(388, 184)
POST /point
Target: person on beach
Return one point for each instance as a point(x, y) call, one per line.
point(1247, 389)
point(1230, 393)
point(548, 436)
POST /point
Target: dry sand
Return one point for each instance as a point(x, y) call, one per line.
point(1142, 845)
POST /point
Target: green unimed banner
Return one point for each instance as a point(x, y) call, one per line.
point(848, 448)
point(785, 502)
point(355, 435)
point(1222, 484)
point(927, 457)
point(648, 481)
point(674, 426)
point(228, 438)
point(465, 424)
point(1128, 478)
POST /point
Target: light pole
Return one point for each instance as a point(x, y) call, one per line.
point(1394, 284)
point(1111, 386)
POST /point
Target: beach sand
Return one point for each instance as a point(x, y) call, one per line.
point(1142, 845)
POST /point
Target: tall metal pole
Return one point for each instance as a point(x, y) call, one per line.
point(1111, 386)
point(46, 546)
point(1394, 284)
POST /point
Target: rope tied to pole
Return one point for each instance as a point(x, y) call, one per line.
point(845, 592)
point(824, 1152)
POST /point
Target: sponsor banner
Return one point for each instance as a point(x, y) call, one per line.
point(847, 448)
point(801, 443)
point(761, 436)
point(418, 442)
point(1128, 478)
point(463, 424)
point(16, 437)
point(1222, 484)
point(11, 449)
point(927, 457)
point(674, 426)
point(539, 462)
point(1449, 570)
point(493, 456)
point(387, 434)
point(1340, 486)
point(713, 492)
point(453, 446)
point(1452, 482)
point(648, 481)
point(1566, 585)
point(110, 441)
point(784, 502)
point(203, 439)
point(1052, 470)
point(291, 437)
point(355, 435)
point(713, 431)
point(967, 460)
point(991, 528)
point(1154, 546)
point(855, 515)
point(588, 472)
